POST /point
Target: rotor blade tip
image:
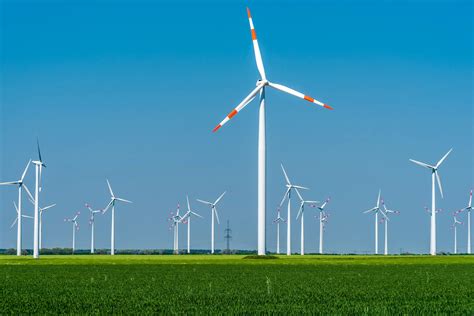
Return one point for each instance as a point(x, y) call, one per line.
point(328, 107)
point(216, 128)
point(248, 13)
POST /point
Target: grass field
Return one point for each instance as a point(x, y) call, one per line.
point(229, 284)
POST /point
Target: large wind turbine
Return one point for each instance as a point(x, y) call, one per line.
point(113, 200)
point(386, 211)
point(187, 220)
point(91, 223)
point(75, 226)
point(278, 220)
point(176, 219)
point(20, 185)
point(301, 212)
point(213, 214)
point(455, 228)
point(39, 165)
point(434, 174)
point(41, 210)
point(262, 83)
point(376, 210)
point(323, 217)
point(287, 195)
point(468, 209)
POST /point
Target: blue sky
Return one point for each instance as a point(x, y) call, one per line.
point(130, 91)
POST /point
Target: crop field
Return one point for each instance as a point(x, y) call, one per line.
point(230, 284)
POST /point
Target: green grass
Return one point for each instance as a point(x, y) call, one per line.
point(227, 284)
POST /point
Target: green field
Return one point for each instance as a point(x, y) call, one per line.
point(229, 284)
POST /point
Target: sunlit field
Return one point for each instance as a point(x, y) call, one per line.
point(230, 284)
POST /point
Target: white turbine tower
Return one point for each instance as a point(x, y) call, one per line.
point(262, 83)
point(187, 220)
point(113, 200)
point(91, 223)
point(468, 209)
point(434, 174)
point(176, 219)
point(385, 220)
point(301, 212)
point(455, 228)
point(75, 226)
point(323, 217)
point(213, 214)
point(376, 210)
point(278, 220)
point(39, 165)
point(20, 185)
point(287, 195)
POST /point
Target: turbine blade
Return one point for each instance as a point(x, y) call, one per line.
point(219, 198)
point(439, 184)
point(107, 207)
point(196, 214)
point(9, 183)
point(256, 48)
point(444, 157)
point(189, 207)
point(39, 151)
point(300, 210)
point(239, 107)
point(24, 172)
point(378, 198)
point(371, 210)
point(300, 187)
point(28, 193)
point(205, 202)
point(286, 176)
point(284, 196)
point(123, 200)
point(422, 164)
point(16, 207)
point(110, 188)
point(298, 94)
point(14, 222)
point(49, 206)
point(470, 200)
point(299, 195)
point(217, 215)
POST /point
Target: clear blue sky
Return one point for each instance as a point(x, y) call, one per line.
point(130, 90)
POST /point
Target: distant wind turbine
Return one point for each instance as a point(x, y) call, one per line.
point(91, 223)
point(376, 210)
point(434, 174)
point(301, 212)
point(262, 83)
point(20, 185)
point(468, 209)
point(113, 200)
point(455, 228)
point(175, 219)
point(213, 214)
point(39, 165)
point(278, 220)
point(75, 226)
point(187, 220)
point(323, 217)
point(385, 220)
point(289, 187)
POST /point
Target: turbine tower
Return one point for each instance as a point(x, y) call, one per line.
point(262, 83)
point(278, 220)
point(113, 200)
point(187, 220)
point(434, 174)
point(376, 210)
point(75, 226)
point(301, 212)
point(91, 223)
point(213, 214)
point(39, 165)
point(385, 221)
point(175, 218)
point(455, 228)
point(468, 209)
point(287, 195)
point(20, 185)
point(323, 217)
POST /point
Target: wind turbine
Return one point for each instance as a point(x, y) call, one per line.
point(278, 220)
point(385, 220)
point(113, 200)
point(75, 226)
point(213, 214)
point(20, 185)
point(468, 209)
point(91, 222)
point(187, 220)
point(287, 195)
point(376, 210)
point(323, 217)
point(262, 83)
point(175, 219)
point(301, 212)
point(455, 227)
point(42, 209)
point(434, 174)
point(39, 165)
